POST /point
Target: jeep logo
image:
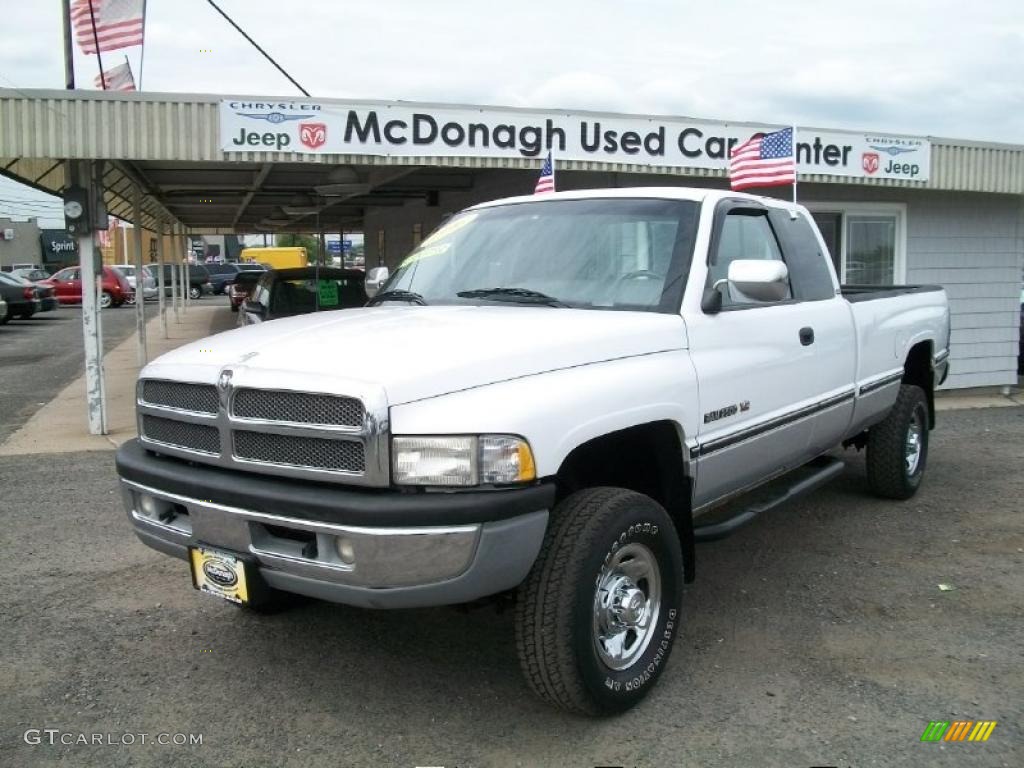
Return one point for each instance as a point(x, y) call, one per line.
point(276, 141)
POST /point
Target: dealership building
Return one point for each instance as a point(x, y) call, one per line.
point(892, 208)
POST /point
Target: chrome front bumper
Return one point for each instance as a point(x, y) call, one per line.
point(386, 567)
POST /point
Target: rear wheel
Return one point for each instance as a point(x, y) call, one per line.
point(598, 614)
point(898, 446)
point(194, 292)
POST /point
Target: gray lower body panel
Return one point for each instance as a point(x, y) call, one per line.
point(383, 567)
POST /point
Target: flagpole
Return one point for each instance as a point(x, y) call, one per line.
point(142, 53)
point(69, 55)
point(554, 185)
point(96, 42)
point(795, 170)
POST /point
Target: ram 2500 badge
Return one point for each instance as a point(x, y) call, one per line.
point(550, 396)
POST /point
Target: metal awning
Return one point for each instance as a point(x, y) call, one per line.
point(169, 145)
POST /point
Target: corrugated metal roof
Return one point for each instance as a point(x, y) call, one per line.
point(50, 125)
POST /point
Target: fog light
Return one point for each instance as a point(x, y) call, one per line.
point(346, 550)
point(149, 506)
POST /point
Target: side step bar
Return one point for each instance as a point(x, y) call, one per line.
point(825, 469)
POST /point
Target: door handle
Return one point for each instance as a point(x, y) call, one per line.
point(806, 336)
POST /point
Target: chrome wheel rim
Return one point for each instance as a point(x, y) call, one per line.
point(105, 300)
point(627, 603)
point(914, 445)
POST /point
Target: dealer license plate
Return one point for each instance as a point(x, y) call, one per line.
point(219, 573)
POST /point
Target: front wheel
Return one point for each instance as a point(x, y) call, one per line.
point(106, 300)
point(598, 614)
point(194, 292)
point(898, 446)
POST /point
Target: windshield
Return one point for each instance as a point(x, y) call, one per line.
point(592, 254)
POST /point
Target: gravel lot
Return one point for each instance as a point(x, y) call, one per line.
point(817, 636)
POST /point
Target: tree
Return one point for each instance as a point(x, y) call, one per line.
point(308, 242)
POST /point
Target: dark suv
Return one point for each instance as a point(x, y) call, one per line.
point(221, 275)
point(198, 279)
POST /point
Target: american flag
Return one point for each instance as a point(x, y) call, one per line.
point(119, 23)
point(765, 160)
point(546, 182)
point(119, 78)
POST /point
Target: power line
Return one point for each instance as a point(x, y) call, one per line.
point(257, 47)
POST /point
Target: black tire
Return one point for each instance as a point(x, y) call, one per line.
point(556, 606)
point(890, 473)
point(106, 300)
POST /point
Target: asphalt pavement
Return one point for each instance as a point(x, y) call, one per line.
point(39, 357)
point(817, 636)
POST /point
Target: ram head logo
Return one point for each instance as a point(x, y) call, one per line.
point(313, 135)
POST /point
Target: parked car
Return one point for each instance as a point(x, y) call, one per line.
point(31, 273)
point(20, 297)
point(287, 292)
point(556, 395)
point(198, 278)
point(221, 275)
point(241, 287)
point(3, 309)
point(68, 285)
point(149, 289)
point(45, 293)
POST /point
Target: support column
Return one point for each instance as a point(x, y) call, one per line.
point(140, 279)
point(186, 242)
point(175, 274)
point(161, 282)
point(91, 267)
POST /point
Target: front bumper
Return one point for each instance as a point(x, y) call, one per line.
point(410, 550)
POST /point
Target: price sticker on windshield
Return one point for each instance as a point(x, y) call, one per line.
point(328, 293)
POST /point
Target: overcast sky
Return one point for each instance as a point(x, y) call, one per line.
point(938, 68)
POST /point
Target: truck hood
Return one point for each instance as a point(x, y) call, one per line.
point(420, 352)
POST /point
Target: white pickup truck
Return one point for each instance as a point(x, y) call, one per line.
point(552, 396)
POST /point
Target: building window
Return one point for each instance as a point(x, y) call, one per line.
point(867, 241)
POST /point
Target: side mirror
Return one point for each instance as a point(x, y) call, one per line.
point(375, 278)
point(254, 308)
point(759, 279)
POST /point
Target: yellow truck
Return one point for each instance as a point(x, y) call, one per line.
point(277, 258)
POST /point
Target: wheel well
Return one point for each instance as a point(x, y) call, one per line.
point(917, 370)
point(648, 459)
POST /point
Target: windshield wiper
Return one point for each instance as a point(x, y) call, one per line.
point(397, 295)
point(518, 295)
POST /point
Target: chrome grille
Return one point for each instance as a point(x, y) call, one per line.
point(295, 451)
point(298, 407)
point(199, 398)
point(194, 437)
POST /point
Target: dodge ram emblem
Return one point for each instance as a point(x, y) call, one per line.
point(313, 135)
point(224, 381)
point(869, 162)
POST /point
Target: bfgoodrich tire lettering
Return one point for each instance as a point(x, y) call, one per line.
point(895, 468)
point(556, 609)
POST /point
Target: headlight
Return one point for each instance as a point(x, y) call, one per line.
point(461, 461)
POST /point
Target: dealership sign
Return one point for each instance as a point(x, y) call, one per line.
point(407, 130)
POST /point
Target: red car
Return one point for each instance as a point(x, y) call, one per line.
point(241, 287)
point(67, 284)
